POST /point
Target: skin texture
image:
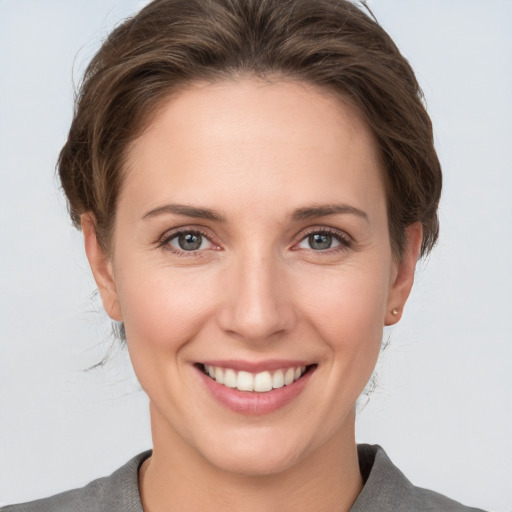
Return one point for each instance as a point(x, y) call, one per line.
point(253, 152)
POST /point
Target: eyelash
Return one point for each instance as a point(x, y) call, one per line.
point(164, 242)
point(345, 241)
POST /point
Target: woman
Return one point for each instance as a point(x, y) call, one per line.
point(255, 185)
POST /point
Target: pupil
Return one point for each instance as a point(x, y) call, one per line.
point(320, 241)
point(190, 241)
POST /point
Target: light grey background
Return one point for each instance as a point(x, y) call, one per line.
point(442, 408)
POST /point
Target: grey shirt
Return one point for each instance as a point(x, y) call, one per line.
point(385, 490)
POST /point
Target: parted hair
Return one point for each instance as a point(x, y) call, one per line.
point(171, 44)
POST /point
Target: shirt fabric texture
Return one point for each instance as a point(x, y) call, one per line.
point(386, 489)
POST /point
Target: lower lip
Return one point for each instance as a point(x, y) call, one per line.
point(252, 402)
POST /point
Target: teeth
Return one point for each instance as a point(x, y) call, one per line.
point(278, 379)
point(245, 381)
point(230, 379)
point(262, 382)
point(219, 375)
point(288, 376)
point(258, 382)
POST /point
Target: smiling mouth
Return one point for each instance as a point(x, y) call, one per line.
point(261, 382)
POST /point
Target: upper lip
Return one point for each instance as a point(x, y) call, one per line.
point(256, 366)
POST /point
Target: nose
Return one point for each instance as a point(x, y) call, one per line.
point(257, 305)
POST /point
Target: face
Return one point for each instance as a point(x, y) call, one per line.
point(251, 251)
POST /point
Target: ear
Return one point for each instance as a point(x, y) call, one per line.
point(101, 266)
point(403, 277)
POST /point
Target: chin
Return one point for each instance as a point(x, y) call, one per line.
point(262, 450)
point(254, 460)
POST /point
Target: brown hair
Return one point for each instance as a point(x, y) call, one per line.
point(172, 43)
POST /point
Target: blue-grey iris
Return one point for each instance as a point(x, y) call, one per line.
point(190, 241)
point(320, 241)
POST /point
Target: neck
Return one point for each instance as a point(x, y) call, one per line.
point(178, 478)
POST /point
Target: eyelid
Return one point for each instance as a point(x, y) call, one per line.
point(346, 241)
point(163, 240)
point(343, 237)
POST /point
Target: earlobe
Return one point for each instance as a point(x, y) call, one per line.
point(404, 278)
point(101, 266)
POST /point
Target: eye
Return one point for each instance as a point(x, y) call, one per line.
point(188, 241)
point(323, 240)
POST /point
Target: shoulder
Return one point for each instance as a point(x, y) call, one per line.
point(117, 492)
point(387, 489)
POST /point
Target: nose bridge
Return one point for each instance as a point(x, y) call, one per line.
point(258, 302)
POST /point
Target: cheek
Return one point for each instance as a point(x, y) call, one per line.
point(346, 308)
point(352, 296)
point(162, 308)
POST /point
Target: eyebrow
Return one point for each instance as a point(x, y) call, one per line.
point(304, 213)
point(325, 210)
point(188, 211)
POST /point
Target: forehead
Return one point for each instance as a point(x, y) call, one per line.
point(237, 140)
